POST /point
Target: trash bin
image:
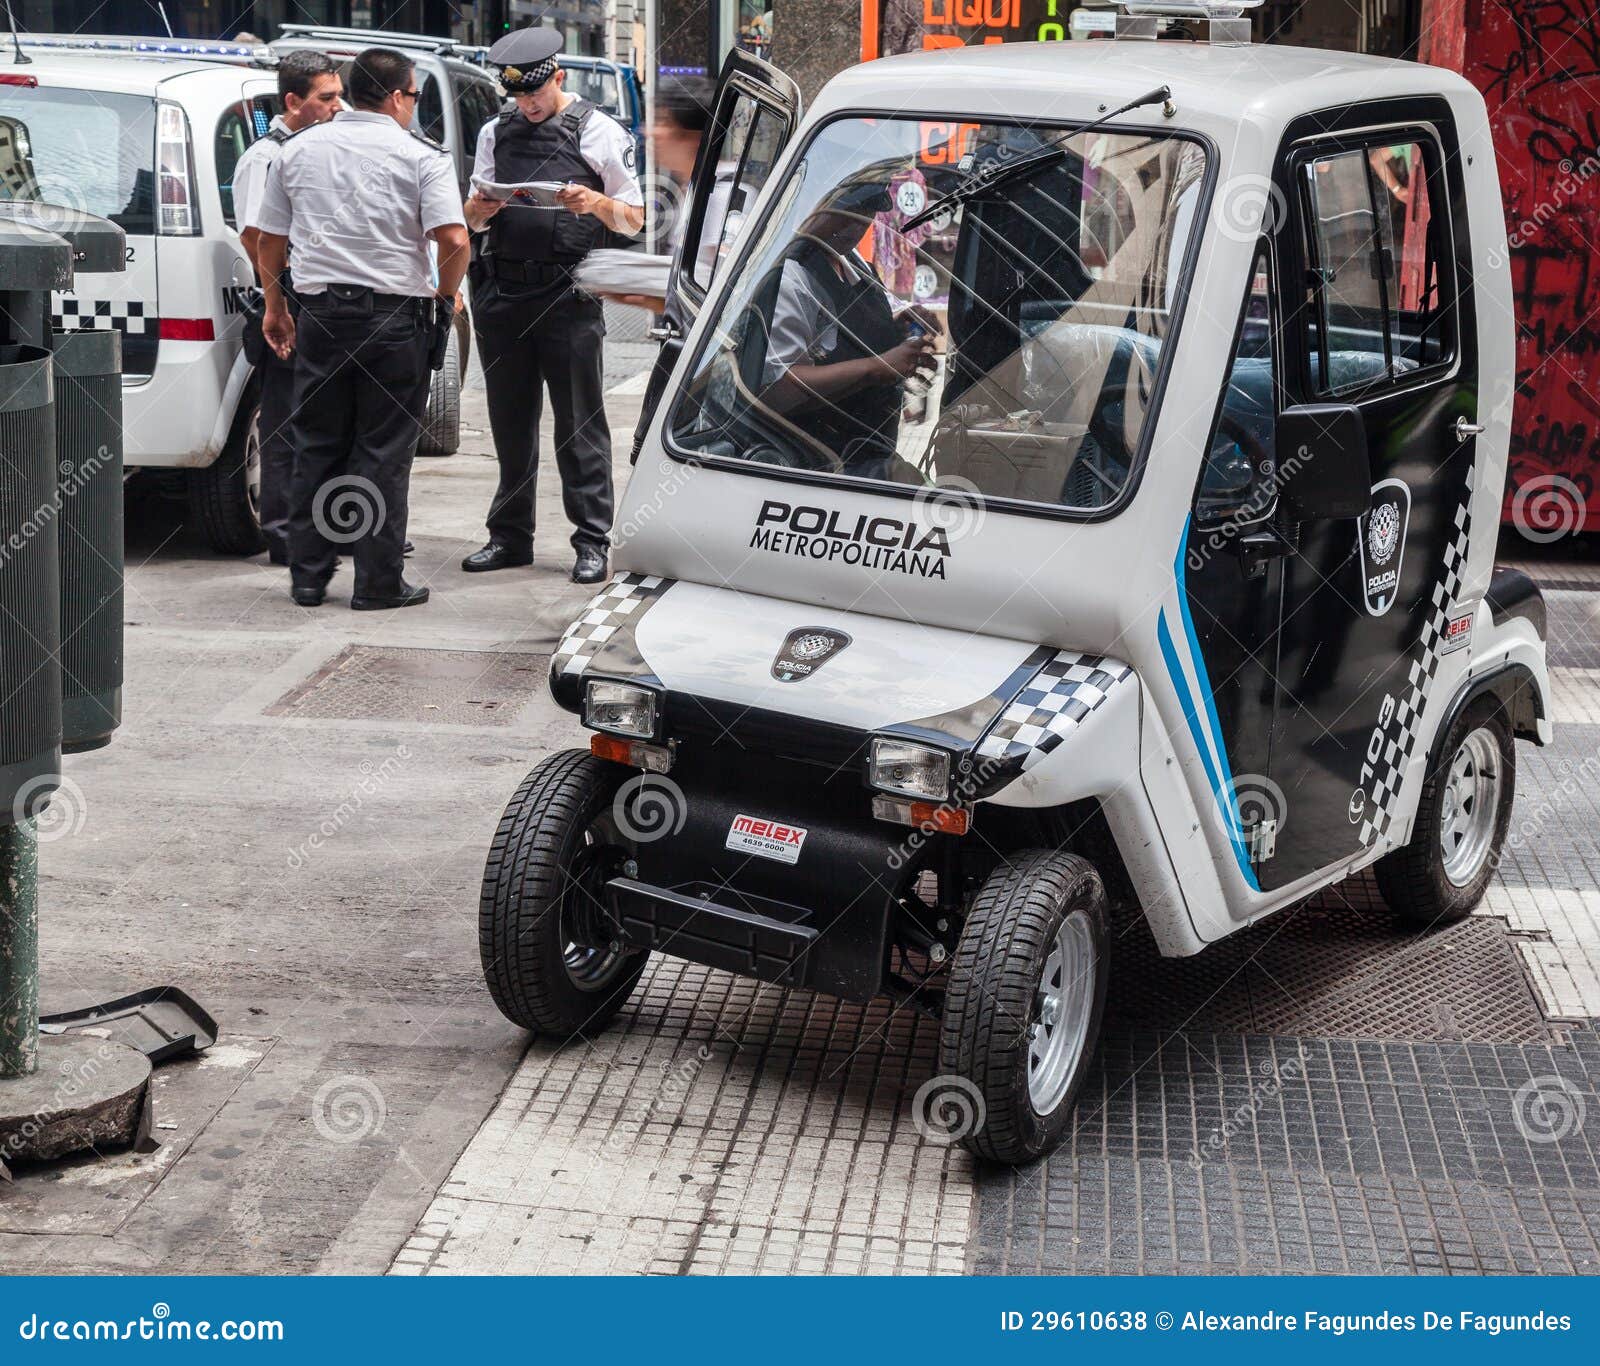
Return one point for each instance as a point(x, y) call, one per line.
point(88, 417)
point(30, 615)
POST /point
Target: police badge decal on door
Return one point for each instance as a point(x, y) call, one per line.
point(1381, 539)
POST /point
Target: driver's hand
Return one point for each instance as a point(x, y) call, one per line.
point(906, 359)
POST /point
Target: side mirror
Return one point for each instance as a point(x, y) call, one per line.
point(1324, 470)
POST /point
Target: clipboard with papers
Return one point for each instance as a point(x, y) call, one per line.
point(539, 194)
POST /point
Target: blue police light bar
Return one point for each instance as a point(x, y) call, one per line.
point(258, 53)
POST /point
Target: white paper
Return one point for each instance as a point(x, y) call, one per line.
point(539, 193)
point(611, 270)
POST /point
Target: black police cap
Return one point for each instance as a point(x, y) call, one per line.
point(527, 57)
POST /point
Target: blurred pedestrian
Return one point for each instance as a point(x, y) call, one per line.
point(359, 199)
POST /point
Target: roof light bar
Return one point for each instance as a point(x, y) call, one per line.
point(1223, 22)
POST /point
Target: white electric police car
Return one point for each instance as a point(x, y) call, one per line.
point(1081, 480)
point(146, 132)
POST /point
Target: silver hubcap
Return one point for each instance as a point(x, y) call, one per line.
point(1469, 806)
point(1061, 1014)
point(252, 466)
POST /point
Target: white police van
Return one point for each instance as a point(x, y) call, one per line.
point(147, 133)
point(1081, 481)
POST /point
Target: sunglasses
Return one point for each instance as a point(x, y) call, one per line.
point(410, 94)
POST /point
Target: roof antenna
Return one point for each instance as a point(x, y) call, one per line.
point(16, 43)
point(161, 9)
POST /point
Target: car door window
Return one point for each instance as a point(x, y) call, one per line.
point(755, 135)
point(1381, 302)
point(1238, 481)
point(430, 108)
point(240, 125)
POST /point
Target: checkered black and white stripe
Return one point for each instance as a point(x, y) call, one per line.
point(618, 605)
point(1404, 728)
point(132, 317)
point(1051, 706)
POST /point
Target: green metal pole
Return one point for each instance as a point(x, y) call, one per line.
point(19, 950)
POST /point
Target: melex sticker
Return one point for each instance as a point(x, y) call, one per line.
point(765, 839)
point(1458, 634)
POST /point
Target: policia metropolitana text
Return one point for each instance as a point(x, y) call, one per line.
point(535, 330)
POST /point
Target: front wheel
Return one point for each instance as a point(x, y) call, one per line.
point(1442, 874)
point(1026, 994)
point(547, 958)
point(225, 497)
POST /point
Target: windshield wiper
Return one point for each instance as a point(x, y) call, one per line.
point(983, 181)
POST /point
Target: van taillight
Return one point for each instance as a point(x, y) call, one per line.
point(178, 214)
point(188, 329)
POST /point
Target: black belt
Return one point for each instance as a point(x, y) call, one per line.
point(532, 272)
point(342, 296)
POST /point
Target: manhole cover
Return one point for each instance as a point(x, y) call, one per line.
point(427, 687)
point(1339, 966)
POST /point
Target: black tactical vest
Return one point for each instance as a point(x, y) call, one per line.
point(543, 151)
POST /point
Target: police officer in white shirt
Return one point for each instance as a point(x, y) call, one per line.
point(534, 328)
point(309, 88)
point(358, 199)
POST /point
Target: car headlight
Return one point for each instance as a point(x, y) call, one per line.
point(911, 770)
point(620, 708)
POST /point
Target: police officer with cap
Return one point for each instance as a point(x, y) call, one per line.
point(534, 329)
point(359, 199)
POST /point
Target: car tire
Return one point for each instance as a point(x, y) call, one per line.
point(441, 424)
point(1022, 1010)
point(225, 497)
point(1442, 874)
point(549, 855)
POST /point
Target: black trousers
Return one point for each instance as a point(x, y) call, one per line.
point(526, 345)
point(361, 389)
point(277, 448)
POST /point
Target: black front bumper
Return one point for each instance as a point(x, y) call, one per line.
point(820, 922)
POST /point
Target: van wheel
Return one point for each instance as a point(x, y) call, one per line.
point(1461, 823)
point(547, 959)
point(441, 425)
point(1022, 1011)
point(225, 497)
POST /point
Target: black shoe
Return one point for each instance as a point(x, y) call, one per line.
point(407, 548)
point(408, 596)
point(309, 595)
point(591, 565)
point(495, 556)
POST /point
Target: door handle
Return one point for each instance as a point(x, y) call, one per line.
point(664, 332)
point(1465, 430)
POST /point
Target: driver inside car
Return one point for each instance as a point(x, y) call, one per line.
point(838, 355)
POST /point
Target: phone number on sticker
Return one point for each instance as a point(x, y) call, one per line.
point(1073, 1321)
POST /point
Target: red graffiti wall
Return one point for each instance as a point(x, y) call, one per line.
point(1537, 63)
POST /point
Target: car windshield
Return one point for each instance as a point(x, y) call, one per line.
point(597, 84)
point(1010, 348)
point(88, 149)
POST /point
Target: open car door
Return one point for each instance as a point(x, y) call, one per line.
point(754, 114)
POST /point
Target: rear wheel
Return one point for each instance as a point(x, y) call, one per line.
point(1026, 994)
point(547, 958)
point(441, 424)
point(225, 497)
point(1442, 874)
